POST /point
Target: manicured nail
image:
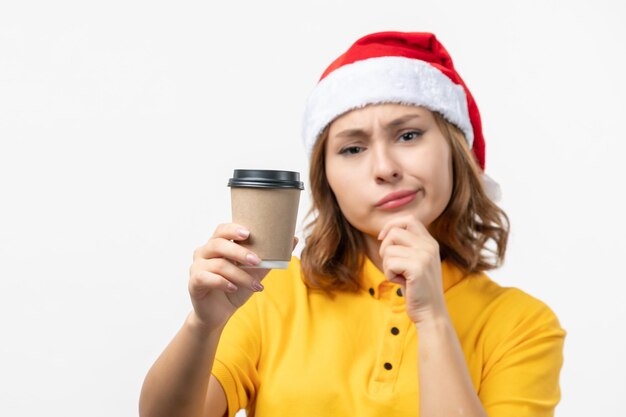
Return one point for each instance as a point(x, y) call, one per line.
point(253, 259)
point(231, 287)
point(256, 286)
point(243, 232)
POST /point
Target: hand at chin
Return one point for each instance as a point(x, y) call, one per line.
point(410, 257)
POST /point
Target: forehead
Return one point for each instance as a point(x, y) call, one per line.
point(383, 113)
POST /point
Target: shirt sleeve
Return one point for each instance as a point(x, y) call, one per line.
point(237, 355)
point(521, 374)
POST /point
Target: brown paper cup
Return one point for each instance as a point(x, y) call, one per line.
point(266, 202)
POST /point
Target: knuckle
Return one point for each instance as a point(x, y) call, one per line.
point(220, 229)
point(195, 279)
point(418, 269)
point(386, 264)
point(210, 245)
point(433, 249)
point(205, 251)
point(220, 264)
point(243, 256)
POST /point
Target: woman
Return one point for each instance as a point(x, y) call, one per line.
point(389, 311)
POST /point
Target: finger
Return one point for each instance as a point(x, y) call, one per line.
point(409, 223)
point(399, 269)
point(396, 260)
point(222, 248)
point(238, 276)
point(408, 237)
point(202, 282)
point(395, 266)
point(402, 237)
point(399, 222)
point(397, 251)
point(399, 279)
point(258, 273)
point(423, 253)
point(414, 235)
point(231, 231)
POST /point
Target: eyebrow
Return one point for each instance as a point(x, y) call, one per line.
point(390, 126)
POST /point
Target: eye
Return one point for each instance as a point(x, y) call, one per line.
point(350, 150)
point(412, 135)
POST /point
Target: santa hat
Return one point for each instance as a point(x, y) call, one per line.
point(396, 67)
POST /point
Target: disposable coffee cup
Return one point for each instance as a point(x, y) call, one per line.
point(266, 202)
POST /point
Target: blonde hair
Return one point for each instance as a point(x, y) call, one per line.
point(472, 231)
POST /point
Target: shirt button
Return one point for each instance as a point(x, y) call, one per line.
point(372, 292)
point(394, 331)
point(388, 366)
point(399, 292)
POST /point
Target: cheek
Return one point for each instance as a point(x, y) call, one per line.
point(343, 184)
point(340, 185)
point(444, 177)
point(436, 171)
point(445, 180)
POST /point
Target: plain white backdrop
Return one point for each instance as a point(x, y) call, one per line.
point(121, 121)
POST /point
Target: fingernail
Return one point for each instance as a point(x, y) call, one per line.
point(253, 259)
point(231, 287)
point(243, 232)
point(256, 286)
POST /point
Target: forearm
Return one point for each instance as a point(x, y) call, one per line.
point(176, 385)
point(446, 389)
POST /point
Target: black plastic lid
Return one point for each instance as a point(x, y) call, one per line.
point(265, 178)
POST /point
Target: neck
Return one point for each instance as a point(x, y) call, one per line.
point(372, 246)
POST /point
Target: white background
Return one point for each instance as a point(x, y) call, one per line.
point(121, 121)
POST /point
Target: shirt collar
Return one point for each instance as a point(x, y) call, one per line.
point(372, 277)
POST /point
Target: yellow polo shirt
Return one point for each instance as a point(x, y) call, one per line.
point(293, 351)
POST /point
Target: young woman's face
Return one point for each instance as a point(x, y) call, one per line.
point(388, 160)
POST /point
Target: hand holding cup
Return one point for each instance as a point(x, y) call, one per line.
point(228, 269)
point(219, 283)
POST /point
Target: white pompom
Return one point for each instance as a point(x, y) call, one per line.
point(492, 188)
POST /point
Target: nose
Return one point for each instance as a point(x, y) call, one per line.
point(385, 167)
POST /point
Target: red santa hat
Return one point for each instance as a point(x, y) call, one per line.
point(396, 67)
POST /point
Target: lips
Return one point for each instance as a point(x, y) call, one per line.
point(396, 199)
